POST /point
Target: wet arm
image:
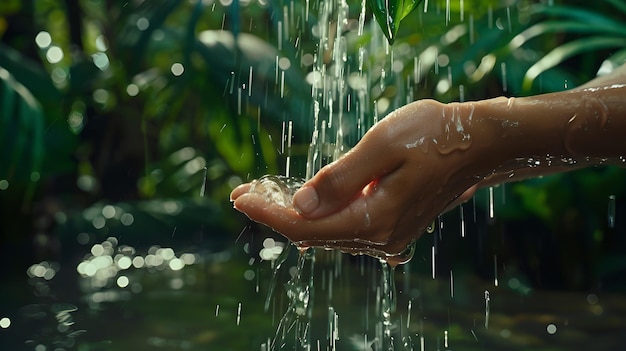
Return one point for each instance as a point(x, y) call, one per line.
point(558, 132)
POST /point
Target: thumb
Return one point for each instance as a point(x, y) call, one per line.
point(339, 183)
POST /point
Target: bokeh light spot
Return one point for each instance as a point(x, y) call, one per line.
point(101, 43)
point(101, 60)
point(83, 238)
point(108, 211)
point(176, 264)
point(284, 63)
point(54, 54)
point(177, 69)
point(98, 222)
point(35, 176)
point(132, 89)
point(122, 281)
point(43, 39)
point(143, 23)
point(101, 96)
point(127, 219)
point(59, 76)
point(97, 250)
point(138, 262)
point(124, 262)
point(86, 182)
point(249, 274)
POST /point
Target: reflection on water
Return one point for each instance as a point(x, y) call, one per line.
point(118, 297)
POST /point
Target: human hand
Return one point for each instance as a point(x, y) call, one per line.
point(381, 195)
point(427, 157)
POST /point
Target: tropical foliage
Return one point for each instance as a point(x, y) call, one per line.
point(156, 109)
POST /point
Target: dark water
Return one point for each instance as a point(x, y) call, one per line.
point(113, 296)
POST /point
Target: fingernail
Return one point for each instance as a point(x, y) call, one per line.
point(306, 200)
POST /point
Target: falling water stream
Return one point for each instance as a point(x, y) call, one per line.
point(341, 94)
point(347, 100)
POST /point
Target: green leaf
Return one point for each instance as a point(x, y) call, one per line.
point(567, 50)
point(389, 13)
point(562, 26)
point(31, 75)
point(618, 4)
point(21, 120)
point(582, 15)
point(612, 62)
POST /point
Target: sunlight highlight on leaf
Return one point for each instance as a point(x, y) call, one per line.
point(389, 13)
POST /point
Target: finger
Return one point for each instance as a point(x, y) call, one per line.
point(347, 224)
point(340, 182)
point(238, 191)
point(351, 229)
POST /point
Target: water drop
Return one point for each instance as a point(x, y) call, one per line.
point(495, 270)
point(451, 285)
point(504, 76)
point(611, 211)
point(238, 313)
point(408, 315)
point(433, 261)
point(487, 300)
point(462, 221)
point(462, 10)
point(491, 205)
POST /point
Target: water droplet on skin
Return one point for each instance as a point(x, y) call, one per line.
point(431, 228)
point(418, 142)
point(367, 220)
point(454, 135)
point(403, 257)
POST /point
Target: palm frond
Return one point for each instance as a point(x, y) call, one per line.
point(567, 50)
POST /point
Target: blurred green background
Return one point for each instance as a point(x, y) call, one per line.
point(135, 119)
point(144, 106)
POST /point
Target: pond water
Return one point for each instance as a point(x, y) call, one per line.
point(113, 296)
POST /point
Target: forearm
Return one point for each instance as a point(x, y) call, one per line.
point(544, 134)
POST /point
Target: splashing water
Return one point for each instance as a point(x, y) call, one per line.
point(348, 94)
point(298, 314)
point(388, 302)
point(277, 189)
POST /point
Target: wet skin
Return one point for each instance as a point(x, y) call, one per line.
point(427, 157)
